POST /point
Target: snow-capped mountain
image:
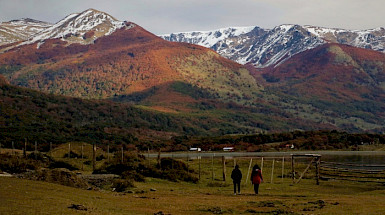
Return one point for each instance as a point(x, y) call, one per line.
point(82, 28)
point(370, 39)
point(264, 47)
point(20, 30)
point(207, 38)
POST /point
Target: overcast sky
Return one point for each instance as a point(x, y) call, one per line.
point(167, 16)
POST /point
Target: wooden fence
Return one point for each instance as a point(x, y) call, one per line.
point(353, 172)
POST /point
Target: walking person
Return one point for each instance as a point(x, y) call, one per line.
point(236, 175)
point(256, 177)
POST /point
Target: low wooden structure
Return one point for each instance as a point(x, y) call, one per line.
point(315, 158)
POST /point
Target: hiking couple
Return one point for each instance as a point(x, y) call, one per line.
point(256, 178)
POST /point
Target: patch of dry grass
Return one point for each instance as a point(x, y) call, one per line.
point(18, 196)
point(209, 196)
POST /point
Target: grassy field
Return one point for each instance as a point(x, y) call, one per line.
point(18, 196)
point(208, 196)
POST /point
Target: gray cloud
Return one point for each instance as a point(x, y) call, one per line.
point(166, 16)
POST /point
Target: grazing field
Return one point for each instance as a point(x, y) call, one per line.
point(208, 196)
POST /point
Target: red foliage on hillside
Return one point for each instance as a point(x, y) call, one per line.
point(129, 60)
point(333, 72)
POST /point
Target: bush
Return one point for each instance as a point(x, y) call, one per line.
point(72, 155)
point(133, 175)
point(134, 168)
point(121, 185)
point(62, 164)
point(169, 163)
point(15, 164)
point(39, 156)
point(100, 157)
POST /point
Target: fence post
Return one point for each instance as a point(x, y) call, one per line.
point(50, 146)
point(248, 170)
point(224, 168)
point(69, 150)
point(292, 168)
point(262, 164)
point(25, 148)
point(212, 167)
point(13, 148)
point(93, 156)
point(148, 155)
point(35, 150)
point(187, 161)
point(199, 158)
point(172, 161)
point(272, 171)
point(283, 168)
point(317, 166)
point(122, 155)
point(82, 156)
point(108, 153)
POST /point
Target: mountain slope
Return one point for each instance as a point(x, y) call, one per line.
point(20, 30)
point(130, 59)
point(45, 118)
point(333, 83)
point(327, 87)
point(265, 47)
point(84, 28)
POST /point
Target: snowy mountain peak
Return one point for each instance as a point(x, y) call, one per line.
point(84, 27)
point(207, 38)
point(21, 29)
point(270, 47)
point(27, 21)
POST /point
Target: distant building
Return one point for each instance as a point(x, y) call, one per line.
point(196, 149)
point(228, 149)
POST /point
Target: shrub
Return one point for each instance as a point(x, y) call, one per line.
point(39, 156)
point(169, 163)
point(72, 155)
point(133, 175)
point(121, 185)
point(100, 157)
point(15, 164)
point(62, 164)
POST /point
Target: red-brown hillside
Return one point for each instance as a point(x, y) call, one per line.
point(129, 60)
point(332, 72)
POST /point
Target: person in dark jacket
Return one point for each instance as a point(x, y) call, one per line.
point(256, 177)
point(236, 175)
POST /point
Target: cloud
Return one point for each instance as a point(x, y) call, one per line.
point(166, 16)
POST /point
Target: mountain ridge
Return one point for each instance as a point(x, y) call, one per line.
point(268, 47)
point(20, 30)
point(132, 65)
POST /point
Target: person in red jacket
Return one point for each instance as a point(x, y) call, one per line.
point(256, 177)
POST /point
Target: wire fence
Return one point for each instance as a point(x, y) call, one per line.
point(212, 167)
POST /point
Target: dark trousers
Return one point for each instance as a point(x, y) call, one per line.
point(237, 184)
point(256, 188)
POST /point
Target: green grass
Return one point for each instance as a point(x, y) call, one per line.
point(208, 196)
point(20, 196)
